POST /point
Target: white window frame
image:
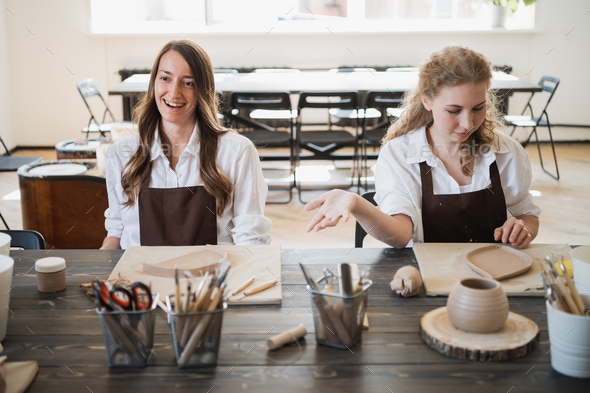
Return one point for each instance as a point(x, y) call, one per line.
point(354, 24)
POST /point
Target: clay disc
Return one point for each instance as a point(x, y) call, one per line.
point(498, 262)
point(197, 263)
point(518, 337)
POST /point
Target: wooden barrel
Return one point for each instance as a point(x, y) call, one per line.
point(73, 149)
point(65, 201)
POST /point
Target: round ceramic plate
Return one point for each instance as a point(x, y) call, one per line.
point(58, 170)
point(498, 262)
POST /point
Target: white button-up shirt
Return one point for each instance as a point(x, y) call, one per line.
point(399, 185)
point(243, 220)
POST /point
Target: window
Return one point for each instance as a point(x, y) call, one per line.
point(297, 16)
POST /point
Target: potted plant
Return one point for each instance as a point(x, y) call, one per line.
point(499, 10)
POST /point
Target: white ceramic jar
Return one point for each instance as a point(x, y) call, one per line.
point(51, 274)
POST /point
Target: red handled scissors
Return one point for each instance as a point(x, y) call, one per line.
point(137, 298)
point(101, 294)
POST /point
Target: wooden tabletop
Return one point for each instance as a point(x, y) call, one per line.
point(296, 82)
point(62, 333)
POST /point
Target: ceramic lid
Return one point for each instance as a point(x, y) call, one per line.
point(50, 265)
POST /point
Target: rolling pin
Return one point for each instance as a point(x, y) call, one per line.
point(287, 337)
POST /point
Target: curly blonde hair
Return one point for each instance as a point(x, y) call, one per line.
point(452, 66)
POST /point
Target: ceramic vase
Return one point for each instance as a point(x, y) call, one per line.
point(498, 16)
point(478, 305)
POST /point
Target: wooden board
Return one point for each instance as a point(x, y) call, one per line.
point(443, 264)
point(518, 337)
point(262, 261)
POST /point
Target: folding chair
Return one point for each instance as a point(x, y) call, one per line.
point(387, 103)
point(4, 221)
point(88, 90)
point(549, 85)
point(9, 162)
point(323, 144)
point(347, 117)
point(359, 232)
point(264, 131)
point(27, 240)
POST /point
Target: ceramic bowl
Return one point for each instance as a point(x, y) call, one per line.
point(478, 305)
point(5, 240)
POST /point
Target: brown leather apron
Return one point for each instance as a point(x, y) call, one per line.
point(462, 218)
point(183, 216)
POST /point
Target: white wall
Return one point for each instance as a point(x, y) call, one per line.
point(5, 102)
point(46, 107)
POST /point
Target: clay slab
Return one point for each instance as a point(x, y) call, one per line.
point(498, 262)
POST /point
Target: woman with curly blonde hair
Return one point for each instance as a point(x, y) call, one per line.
point(444, 174)
point(183, 179)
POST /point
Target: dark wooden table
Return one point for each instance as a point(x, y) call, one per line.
point(62, 333)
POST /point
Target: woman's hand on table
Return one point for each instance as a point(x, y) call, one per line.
point(332, 206)
point(111, 243)
point(517, 231)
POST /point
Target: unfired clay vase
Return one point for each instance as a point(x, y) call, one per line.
point(477, 305)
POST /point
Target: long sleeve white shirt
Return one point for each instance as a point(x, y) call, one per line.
point(399, 186)
point(243, 221)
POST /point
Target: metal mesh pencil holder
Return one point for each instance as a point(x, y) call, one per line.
point(129, 335)
point(196, 337)
point(338, 319)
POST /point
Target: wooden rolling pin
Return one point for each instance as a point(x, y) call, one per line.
point(287, 337)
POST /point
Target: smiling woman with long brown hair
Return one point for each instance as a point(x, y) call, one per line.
point(184, 179)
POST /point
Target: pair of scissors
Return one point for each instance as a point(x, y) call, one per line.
point(137, 298)
point(101, 294)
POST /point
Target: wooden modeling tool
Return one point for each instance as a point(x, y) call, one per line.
point(243, 286)
point(348, 317)
point(259, 288)
point(574, 292)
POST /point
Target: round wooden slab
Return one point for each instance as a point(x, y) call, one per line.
point(518, 337)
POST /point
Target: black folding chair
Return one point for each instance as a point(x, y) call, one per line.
point(10, 163)
point(347, 117)
point(93, 99)
point(323, 144)
point(359, 232)
point(549, 85)
point(388, 104)
point(28, 240)
point(271, 129)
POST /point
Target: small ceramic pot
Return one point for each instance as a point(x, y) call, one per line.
point(477, 305)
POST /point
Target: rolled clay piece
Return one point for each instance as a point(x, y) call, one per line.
point(286, 337)
point(406, 281)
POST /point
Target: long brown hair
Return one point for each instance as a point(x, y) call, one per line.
point(452, 66)
point(148, 118)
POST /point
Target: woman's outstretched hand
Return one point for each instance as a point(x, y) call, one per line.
point(333, 206)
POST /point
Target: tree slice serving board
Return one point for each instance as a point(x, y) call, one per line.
point(518, 337)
